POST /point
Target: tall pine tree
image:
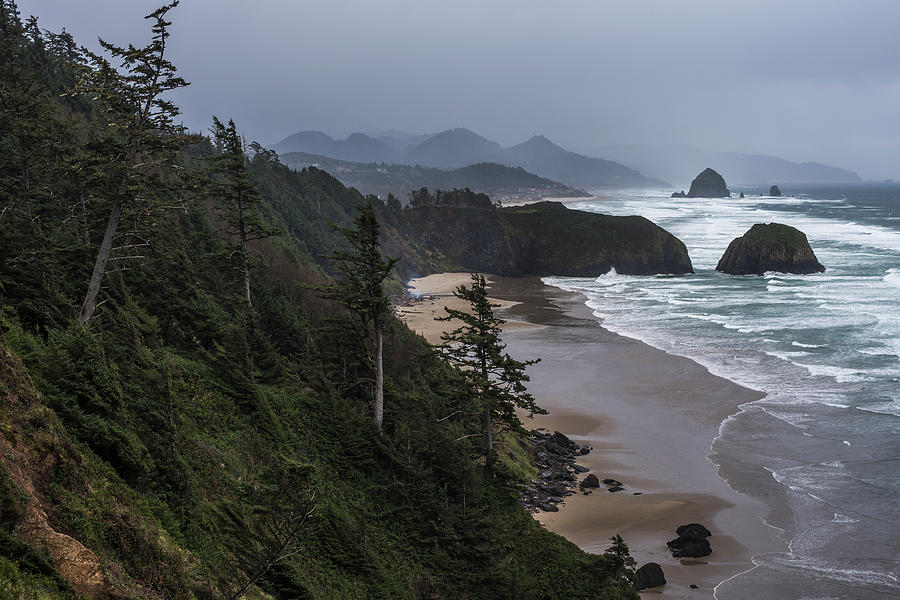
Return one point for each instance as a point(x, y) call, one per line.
point(140, 139)
point(496, 378)
point(236, 195)
point(364, 269)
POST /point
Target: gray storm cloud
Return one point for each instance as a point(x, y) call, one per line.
point(805, 79)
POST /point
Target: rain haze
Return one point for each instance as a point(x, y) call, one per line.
point(807, 80)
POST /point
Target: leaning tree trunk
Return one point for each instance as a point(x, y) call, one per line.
point(245, 267)
point(378, 414)
point(488, 440)
point(488, 422)
point(90, 299)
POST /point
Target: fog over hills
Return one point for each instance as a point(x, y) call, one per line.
point(680, 163)
point(460, 147)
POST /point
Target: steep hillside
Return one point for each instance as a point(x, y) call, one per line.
point(180, 442)
point(502, 183)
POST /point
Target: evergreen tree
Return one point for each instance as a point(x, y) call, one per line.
point(497, 379)
point(236, 194)
point(140, 138)
point(364, 269)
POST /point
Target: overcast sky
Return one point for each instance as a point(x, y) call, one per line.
point(802, 79)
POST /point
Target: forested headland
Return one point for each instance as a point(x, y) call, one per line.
point(190, 335)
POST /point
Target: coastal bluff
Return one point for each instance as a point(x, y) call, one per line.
point(544, 238)
point(770, 247)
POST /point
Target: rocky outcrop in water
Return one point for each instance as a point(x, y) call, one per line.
point(544, 238)
point(770, 247)
point(680, 194)
point(648, 576)
point(774, 191)
point(708, 184)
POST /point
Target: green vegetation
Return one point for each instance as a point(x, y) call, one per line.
point(497, 379)
point(501, 182)
point(190, 443)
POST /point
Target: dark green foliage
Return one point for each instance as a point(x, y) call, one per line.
point(496, 379)
point(25, 572)
point(363, 270)
point(235, 194)
point(174, 436)
point(138, 141)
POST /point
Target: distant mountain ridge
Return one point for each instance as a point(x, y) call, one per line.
point(460, 147)
point(359, 147)
point(679, 163)
point(540, 155)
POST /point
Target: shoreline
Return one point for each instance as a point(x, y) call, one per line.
point(651, 418)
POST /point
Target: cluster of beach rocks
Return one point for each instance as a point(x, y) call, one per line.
point(691, 541)
point(399, 300)
point(554, 456)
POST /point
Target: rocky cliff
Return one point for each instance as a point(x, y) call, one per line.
point(770, 247)
point(708, 184)
point(545, 238)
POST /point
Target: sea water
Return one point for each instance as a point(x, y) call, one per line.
point(824, 442)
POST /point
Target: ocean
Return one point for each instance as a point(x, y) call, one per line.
point(822, 448)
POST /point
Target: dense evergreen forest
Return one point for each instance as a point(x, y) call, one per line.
point(186, 369)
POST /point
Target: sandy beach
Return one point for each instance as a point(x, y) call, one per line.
point(434, 292)
point(650, 417)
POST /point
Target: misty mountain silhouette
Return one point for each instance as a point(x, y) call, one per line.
point(359, 147)
point(459, 147)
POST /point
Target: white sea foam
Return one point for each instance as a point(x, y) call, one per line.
point(802, 345)
point(892, 278)
point(820, 345)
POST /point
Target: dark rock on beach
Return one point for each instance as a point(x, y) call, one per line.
point(680, 194)
point(590, 481)
point(770, 247)
point(708, 184)
point(693, 530)
point(691, 541)
point(689, 547)
point(648, 576)
point(774, 191)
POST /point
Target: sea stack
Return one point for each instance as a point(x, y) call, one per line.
point(708, 184)
point(769, 247)
point(774, 191)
